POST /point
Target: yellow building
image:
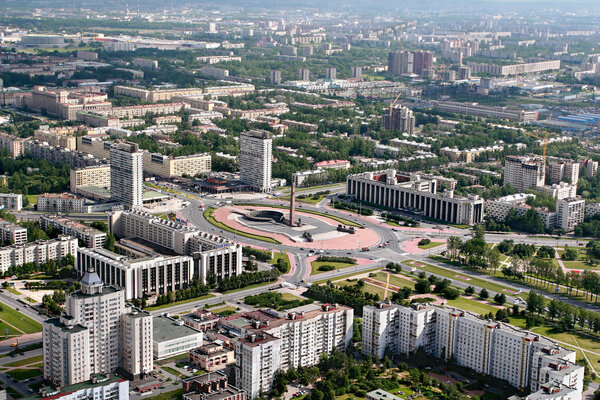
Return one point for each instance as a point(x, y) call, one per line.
point(169, 167)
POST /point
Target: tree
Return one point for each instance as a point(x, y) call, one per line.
point(500, 298)
point(454, 245)
point(570, 254)
point(535, 302)
point(469, 290)
point(506, 246)
point(422, 286)
point(483, 294)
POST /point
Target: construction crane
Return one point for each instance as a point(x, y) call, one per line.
point(393, 103)
point(544, 143)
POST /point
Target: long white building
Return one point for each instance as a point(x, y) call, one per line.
point(37, 252)
point(126, 174)
point(278, 342)
point(414, 193)
point(525, 360)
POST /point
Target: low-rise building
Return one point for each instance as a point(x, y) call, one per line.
point(211, 357)
point(12, 233)
point(380, 394)
point(332, 164)
point(172, 337)
point(92, 176)
point(100, 387)
point(37, 252)
point(90, 237)
point(211, 386)
point(61, 203)
point(11, 201)
point(499, 209)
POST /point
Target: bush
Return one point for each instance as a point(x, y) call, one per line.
point(500, 298)
point(450, 293)
point(422, 286)
point(326, 268)
point(346, 260)
point(469, 290)
point(484, 294)
point(424, 242)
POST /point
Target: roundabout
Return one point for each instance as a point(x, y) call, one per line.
point(313, 231)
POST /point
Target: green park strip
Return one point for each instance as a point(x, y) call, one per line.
point(347, 276)
point(25, 361)
point(431, 245)
point(18, 320)
point(471, 280)
point(315, 265)
point(176, 303)
point(175, 394)
point(13, 291)
point(22, 374)
point(255, 285)
point(477, 307)
point(301, 210)
point(208, 215)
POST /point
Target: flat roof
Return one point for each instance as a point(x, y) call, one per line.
point(103, 380)
point(166, 329)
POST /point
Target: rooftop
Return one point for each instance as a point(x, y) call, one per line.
point(98, 380)
point(166, 329)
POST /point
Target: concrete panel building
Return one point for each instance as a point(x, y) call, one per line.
point(169, 167)
point(11, 201)
point(61, 203)
point(92, 176)
point(126, 174)
point(256, 159)
point(90, 237)
point(37, 252)
point(524, 172)
point(12, 233)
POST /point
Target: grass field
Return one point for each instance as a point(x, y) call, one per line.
point(22, 374)
point(321, 281)
point(14, 291)
point(290, 297)
point(208, 215)
point(19, 321)
point(174, 395)
point(430, 245)
point(284, 257)
point(152, 308)
point(249, 287)
point(395, 280)
point(25, 361)
point(314, 265)
point(447, 273)
point(472, 305)
point(366, 289)
point(225, 311)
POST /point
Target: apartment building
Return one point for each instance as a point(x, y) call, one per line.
point(129, 112)
point(169, 167)
point(212, 254)
point(514, 69)
point(43, 151)
point(563, 171)
point(526, 361)
point(95, 145)
point(145, 63)
point(468, 155)
point(99, 387)
point(12, 233)
point(486, 111)
point(399, 118)
point(94, 319)
point(589, 167)
point(154, 96)
point(98, 120)
point(273, 342)
point(592, 209)
point(37, 252)
point(61, 203)
point(59, 136)
point(498, 209)
point(212, 72)
point(570, 212)
point(126, 174)
point(414, 193)
point(90, 237)
point(11, 201)
point(524, 172)
point(256, 159)
point(560, 190)
point(13, 144)
point(65, 104)
point(92, 176)
point(211, 357)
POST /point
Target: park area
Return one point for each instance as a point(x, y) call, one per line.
point(14, 324)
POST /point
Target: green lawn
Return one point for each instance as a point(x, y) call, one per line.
point(174, 372)
point(14, 291)
point(152, 308)
point(25, 361)
point(472, 305)
point(338, 265)
point(32, 199)
point(11, 331)
point(395, 280)
point(368, 288)
point(208, 215)
point(174, 395)
point(284, 257)
point(249, 287)
point(453, 275)
point(321, 281)
point(225, 311)
point(22, 374)
point(290, 297)
point(431, 245)
point(19, 321)
point(29, 299)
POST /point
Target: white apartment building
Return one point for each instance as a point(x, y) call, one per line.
point(401, 119)
point(523, 359)
point(571, 211)
point(281, 342)
point(256, 159)
point(126, 174)
point(93, 176)
point(90, 237)
point(414, 193)
point(95, 145)
point(562, 170)
point(100, 387)
point(592, 209)
point(37, 252)
point(12, 233)
point(170, 167)
point(11, 201)
point(498, 209)
point(61, 203)
point(560, 190)
point(486, 111)
point(137, 329)
point(514, 69)
point(524, 172)
point(92, 325)
point(589, 167)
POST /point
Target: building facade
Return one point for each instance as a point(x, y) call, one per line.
point(415, 194)
point(37, 252)
point(90, 237)
point(256, 159)
point(170, 167)
point(401, 119)
point(126, 174)
point(12, 233)
point(524, 172)
point(61, 203)
point(11, 201)
point(92, 176)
